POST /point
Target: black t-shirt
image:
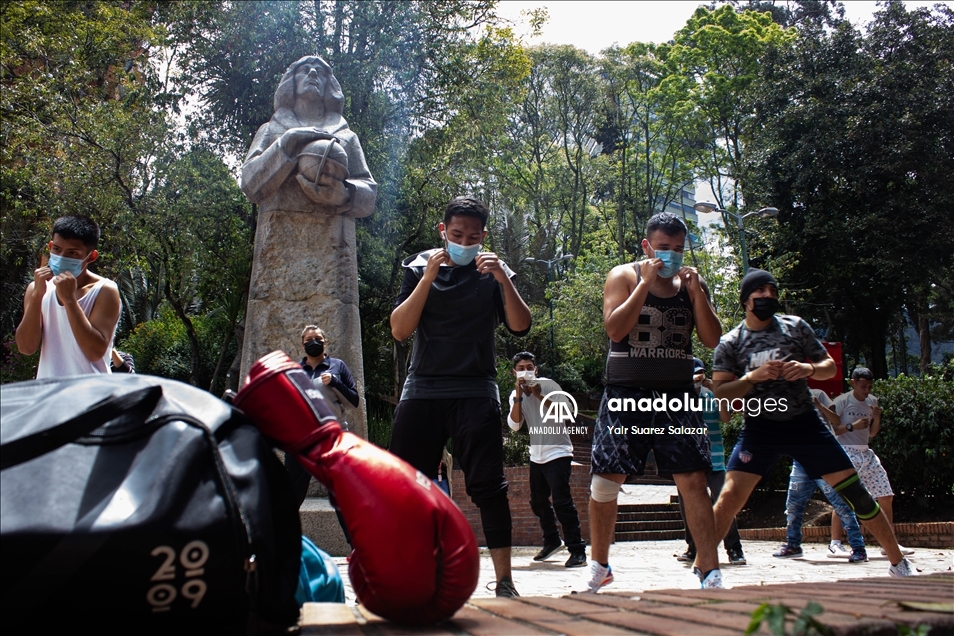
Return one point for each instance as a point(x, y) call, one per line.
point(785, 338)
point(454, 354)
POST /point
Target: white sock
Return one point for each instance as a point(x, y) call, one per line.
point(835, 542)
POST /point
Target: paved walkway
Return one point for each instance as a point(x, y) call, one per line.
point(651, 565)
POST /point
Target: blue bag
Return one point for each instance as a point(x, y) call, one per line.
point(318, 578)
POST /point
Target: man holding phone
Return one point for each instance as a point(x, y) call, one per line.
point(551, 457)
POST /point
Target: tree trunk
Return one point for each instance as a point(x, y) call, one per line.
point(903, 345)
point(879, 358)
point(924, 333)
point(232, 378)
point(190, 332)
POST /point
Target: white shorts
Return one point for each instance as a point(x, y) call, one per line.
point(871, 472)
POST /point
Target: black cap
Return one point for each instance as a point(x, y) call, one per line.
point(753, 280)
point(699, 366)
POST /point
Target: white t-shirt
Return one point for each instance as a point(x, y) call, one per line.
point(548, 440)
point(851, 410)
point(825, 401)
point(60, 354)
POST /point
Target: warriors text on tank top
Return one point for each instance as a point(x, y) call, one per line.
point(657, 353)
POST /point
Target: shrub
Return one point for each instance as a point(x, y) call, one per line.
point(161, 346)
point(916, 442)
point(14, 366)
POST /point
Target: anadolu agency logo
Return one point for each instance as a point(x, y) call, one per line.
point(557, 409)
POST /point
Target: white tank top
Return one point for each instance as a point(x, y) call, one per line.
point(60, 354)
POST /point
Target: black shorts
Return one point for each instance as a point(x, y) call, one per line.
point(622, 439)
point(804, 438)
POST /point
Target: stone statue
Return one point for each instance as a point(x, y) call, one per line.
point(306, 171)
point(307, 125)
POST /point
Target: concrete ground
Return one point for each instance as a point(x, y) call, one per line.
point(651, 565)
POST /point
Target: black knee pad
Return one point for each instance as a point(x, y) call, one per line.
point(858, 498)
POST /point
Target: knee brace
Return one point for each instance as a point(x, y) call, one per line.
point(603, 490)
point(858, 498)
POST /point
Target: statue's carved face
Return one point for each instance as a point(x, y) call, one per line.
point(310, 80)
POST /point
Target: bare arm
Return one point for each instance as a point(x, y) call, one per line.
point(407, 315)
point(624, 296)
point(823, 370)
point(875, 421)
point(829, 413)
point(725, 384)
point(516, 411)
point(30, 330)
point(94, 335)
point(708, 327)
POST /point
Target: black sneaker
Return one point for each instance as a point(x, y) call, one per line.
point(548, 551)
point(576, 560)
point(505, 589)
point(687, 557)
point(736, 557)
point(858, 555)
point(788, 552)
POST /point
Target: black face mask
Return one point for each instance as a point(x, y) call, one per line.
point(315, 348)
point(765, 308)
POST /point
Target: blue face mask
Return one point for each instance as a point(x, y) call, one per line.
point(672, 263)
point(462, 254)
point(60, 264)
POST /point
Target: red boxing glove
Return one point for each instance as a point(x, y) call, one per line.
point(415, 558)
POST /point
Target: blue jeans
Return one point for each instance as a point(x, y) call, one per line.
point(800, 490)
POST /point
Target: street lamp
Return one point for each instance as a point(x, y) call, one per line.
point(704, 207)
point(549, 265)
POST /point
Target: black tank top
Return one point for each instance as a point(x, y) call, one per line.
point(657, 353)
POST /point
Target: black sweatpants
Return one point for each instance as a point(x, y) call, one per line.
point(421, 429)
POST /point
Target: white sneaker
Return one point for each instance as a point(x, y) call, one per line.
point(599, 576)
point(837, 551)
point(905, 551)
point(903, 568)
point(713, 581)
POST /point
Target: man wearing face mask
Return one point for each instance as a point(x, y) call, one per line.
point(453, 298)
point(650, 309)
point(765, 361)
point(551, 454)
point(69, 313)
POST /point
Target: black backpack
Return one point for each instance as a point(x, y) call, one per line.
point(136, 504)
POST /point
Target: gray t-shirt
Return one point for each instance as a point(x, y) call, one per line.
point(784, 338)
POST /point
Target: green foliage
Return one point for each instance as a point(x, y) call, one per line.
point(14, 366)
point(161, 346)
point(380, 420)
point(842, 118)
point(916, 442)
point(517, 448)
point(775, 616)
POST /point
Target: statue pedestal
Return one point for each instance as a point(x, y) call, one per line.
point(305, 272)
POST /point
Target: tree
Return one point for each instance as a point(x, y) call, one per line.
point(81, 118)
point(855, 147)
point(713, 62)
